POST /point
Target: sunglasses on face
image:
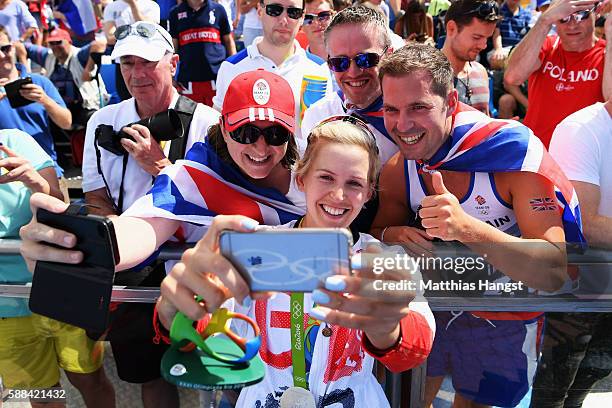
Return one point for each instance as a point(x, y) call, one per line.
point(54, 43)
point(275, 10)
point(145, 30)
point(363, 61)
point(6, 48)
point(579, 16)
point(486, 11)
point(321, 17)
point(275, 135)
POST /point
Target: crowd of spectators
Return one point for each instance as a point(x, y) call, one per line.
point(544, 66)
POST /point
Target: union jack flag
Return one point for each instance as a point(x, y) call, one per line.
point(202, 186)
point(543, 204)
point(481, 144)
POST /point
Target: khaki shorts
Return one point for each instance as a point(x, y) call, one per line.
point(34, 348)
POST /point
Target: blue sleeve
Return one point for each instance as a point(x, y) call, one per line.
point(173, 22)
point(27, 19)
point(37, 53)
point(49, 89)
point(83, 54)
point(224, 23)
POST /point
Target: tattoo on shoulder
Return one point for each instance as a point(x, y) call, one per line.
point(543, 204)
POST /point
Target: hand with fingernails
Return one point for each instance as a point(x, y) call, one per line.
point(144, 149)
point(20, 169)
point(204, 272)
point(441, 214)
point(356, 301)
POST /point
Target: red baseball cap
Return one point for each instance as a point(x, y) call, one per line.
point(258, 95)
point(59, 34)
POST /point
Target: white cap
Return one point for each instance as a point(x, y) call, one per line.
point(151, 49)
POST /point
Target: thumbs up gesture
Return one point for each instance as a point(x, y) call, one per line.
point(442, 214)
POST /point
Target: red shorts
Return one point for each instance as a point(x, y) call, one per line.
point(202, 92)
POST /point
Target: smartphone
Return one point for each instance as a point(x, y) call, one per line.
point(78, 294)
point(12, 92)
point(294, 260)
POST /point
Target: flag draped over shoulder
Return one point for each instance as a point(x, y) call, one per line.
point(372, 115)
point(202, 186)
point(481, 144)
point(80, 15)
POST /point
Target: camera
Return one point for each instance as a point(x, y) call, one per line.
point(165, 125)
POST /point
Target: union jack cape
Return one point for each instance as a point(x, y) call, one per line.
point(481, 144)
point(202, 186)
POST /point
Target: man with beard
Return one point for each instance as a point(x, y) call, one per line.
point(278, 52)
point(455, 162)
point(469, 23)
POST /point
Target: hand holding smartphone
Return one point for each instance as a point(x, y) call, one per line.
point(12, 89)
point(78, 294)
point(295, 260)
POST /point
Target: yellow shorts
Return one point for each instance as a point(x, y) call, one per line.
point(34, 348)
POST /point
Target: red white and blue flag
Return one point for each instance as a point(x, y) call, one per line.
point(481, 144)
point(80, 15)
point(202, 186)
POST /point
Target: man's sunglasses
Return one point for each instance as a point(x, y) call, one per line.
point(579, 15)
point(6, 48)
point(486, 11)
point(275, 135)
point(143, 29)
point(321, 17)
point(275, 10)
point(364, 61)
point(53, 43)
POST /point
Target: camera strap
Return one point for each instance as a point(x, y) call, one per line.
point(119, 205)
point(185, 108)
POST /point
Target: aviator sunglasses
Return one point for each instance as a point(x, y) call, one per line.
point(364, 61)
point(144, 29)
point(275, 10)
point(579, 15)
point(321, 17)
point(275, 135)
point(486, 11)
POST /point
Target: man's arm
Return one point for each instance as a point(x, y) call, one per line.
point(100, 202)
point(139, 15)
point(244, 6)
point(515, 90)
point(537, 258)
point(230, 46)
point(57, 112)
point(597, 228)
point(606, 85)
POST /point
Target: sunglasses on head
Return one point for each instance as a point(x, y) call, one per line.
point(486, 11)
point(143, 29)
point(275, 135)
point(321, 17)
point(579, 15)
point(275, 10)
point(353, 120)
point(58, 42)
point(363, 61)
point(6, 48)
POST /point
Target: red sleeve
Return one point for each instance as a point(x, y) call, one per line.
point(415, 344)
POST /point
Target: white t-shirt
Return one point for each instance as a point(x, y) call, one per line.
point(137, 181)
point(582, 145)
point(120, 13)
point(301, 64)
point(251, 19)
point(332, 105)
point(227, 5)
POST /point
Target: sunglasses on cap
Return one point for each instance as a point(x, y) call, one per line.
point(363, 61)
point(275, 135)
point(321, 17)
point(143, 29)
point(6, 48)
point(579, 15)
point(353, 120)
point(275, 10)
point(486, 11)
point(53, 43)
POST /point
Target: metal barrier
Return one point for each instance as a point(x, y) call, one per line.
point(575, 303)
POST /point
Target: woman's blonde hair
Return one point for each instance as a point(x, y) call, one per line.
point(345, 130)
